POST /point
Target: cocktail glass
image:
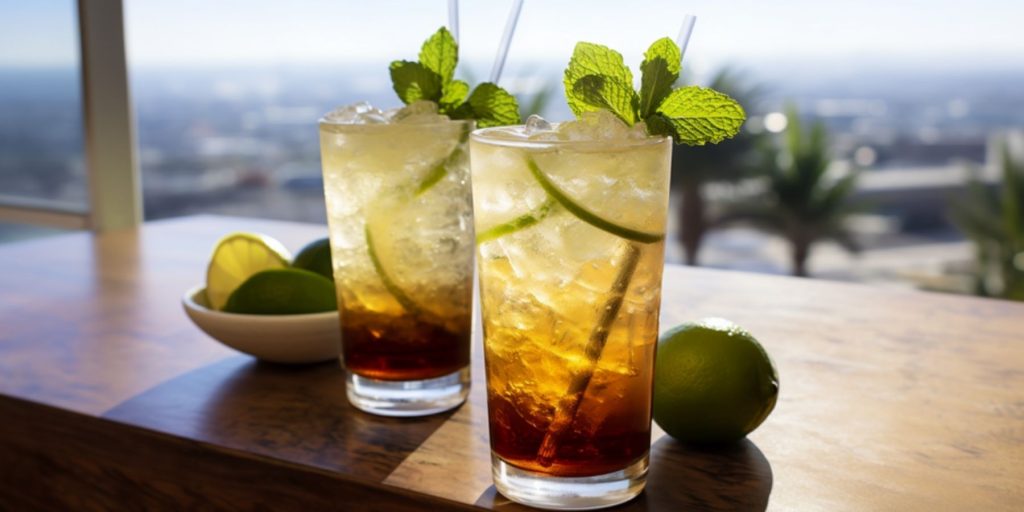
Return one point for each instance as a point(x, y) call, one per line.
point(400, 220)
point(570, 255)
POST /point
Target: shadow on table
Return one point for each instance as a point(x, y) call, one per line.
point(293, 412)
point(733, 477)
point(737, 477)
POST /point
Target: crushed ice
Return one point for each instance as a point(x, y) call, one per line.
point(419, 112)
point(599, 125)
point(357, 113)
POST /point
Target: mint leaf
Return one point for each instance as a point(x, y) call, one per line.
point(440, 54)
point(592, 59)
point(431, 79)
point(597, 79)
point(463, 111)
point(658, 124)
point(658, 72)
point(698, 116)
point(608, 93)
point(413, 82)
point(455, 93)
point(493, 106)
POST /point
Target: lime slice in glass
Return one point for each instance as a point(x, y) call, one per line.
point(392, 287)
point(517, 224)
point(579, 211)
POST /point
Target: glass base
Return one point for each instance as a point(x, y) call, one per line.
point(568, 493)
point(408, 397)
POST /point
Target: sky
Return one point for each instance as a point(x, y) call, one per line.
point(242, 32)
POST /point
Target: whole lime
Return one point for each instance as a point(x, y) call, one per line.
point(285, 291)
point(316, 257)
point(713, 382)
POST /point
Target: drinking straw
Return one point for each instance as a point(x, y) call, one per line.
point(453, 19)
point(629, 255)
point(684, 34)
point(506, 40)
point(569, 405)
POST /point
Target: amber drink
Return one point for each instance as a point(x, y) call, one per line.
point(570, 221)
point(400, 221)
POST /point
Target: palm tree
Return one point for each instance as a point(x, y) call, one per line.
point(694, 166)
point(801, 203)
point(994, 221)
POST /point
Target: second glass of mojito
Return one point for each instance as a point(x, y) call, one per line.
point(570, 221)
point(400, 220)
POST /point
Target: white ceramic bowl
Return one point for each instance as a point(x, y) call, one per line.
point(307, 338)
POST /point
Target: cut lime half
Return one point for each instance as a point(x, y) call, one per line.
point(237, 257)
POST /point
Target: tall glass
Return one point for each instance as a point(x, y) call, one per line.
point(400, 220)
point(570, 254)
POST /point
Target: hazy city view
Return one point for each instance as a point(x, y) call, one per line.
point(241, 139)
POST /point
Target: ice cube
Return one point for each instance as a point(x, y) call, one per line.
point(516, 133)
point(373, 118)
point(538, 129)
point(535, 124)
point(596, 126)
point(357, 113)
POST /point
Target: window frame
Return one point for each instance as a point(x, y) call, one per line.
point(112, 173)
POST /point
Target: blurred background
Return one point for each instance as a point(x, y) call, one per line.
point(881, 145)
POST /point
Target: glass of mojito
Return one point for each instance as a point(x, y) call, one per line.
point(570, 221)
point(400, 221)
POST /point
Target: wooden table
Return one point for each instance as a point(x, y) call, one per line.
point(110, 398)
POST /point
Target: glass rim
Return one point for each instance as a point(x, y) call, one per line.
point(484, 135)
point(323, 121)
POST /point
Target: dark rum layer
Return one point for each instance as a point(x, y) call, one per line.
point(401, 348)
point(612, 446)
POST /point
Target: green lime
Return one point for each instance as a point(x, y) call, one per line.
point(713, 382)
point(286, 291)
point(316, 257)
point(237, 257)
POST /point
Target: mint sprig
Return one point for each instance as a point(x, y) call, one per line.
point(598, 79)
point(432, 79)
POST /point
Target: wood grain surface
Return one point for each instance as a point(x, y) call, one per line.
point(54, 459)
point(87, 322)
point(890, 400)
point(294, 413)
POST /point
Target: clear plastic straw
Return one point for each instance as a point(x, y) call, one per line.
point(628, 254)
point(506, 40)
point(453, 19)
point(684, 34)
